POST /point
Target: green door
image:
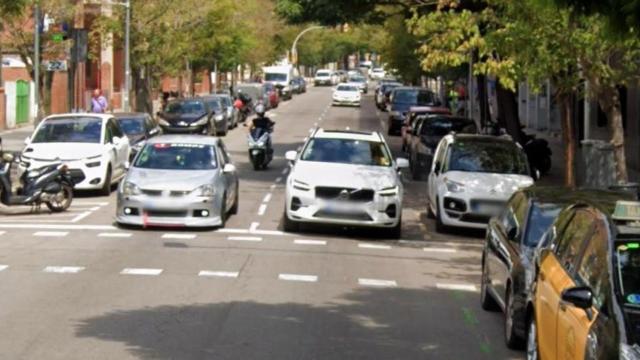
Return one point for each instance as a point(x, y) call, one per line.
point(22, 102)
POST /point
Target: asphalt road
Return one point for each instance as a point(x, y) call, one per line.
point(74, 286)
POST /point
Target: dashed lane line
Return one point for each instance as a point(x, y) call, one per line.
point(115, 235)
point(223, 274)
point(439, 250)
point(262, 209)
point(374, 246)
point(63, 269)
point(2, 233)
point(457, 287)
point(377, 282)
point(51, 233)
point(309, 242)
point(179, 236)
point(298, 277)
point(285, 171)
point(278, 180)
point(273, 187)
point(4, 267)
point(81, 216)
point(245, 238)
point(267, 198)
point(254, 227)
point(141, 271)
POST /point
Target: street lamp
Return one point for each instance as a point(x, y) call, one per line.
point(127, 52)
point(294, 50)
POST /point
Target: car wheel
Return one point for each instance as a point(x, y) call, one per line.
point(106, 188)
point(486, 299)
point(62, 200)
point(512, 340)
point(290, 225)
point(532, 339)
point(236, 202)
point(440, 226)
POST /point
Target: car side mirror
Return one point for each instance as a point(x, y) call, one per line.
point(291, 155)
point(437, 168)
point(402, 163)
point(580, 297)
point(229, 169)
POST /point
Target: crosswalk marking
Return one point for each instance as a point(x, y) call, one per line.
point(377, 282)
point(141, 271)
point(228, 274)
point(63, 269)
point(297, 277)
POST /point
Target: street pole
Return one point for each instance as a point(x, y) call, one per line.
point(294, 49)
point(36, 61)
point(127, 56)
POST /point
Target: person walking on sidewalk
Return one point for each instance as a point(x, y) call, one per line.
point(98, 102)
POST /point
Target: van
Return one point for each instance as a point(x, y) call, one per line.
point(281, 77)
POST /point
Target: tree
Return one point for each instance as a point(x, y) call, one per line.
point(8, 9)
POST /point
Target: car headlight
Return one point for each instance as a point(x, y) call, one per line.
point(390, 191)
point(202, 121)
point(163, 122)
point(396, 114)
point(302, 186)
point(454, 186)
point(129, 188)
point(629, 352)
point(207, 190)
point(219, 117)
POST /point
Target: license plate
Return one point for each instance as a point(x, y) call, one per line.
point(489, 209)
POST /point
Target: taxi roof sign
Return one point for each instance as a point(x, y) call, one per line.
point(627, 211)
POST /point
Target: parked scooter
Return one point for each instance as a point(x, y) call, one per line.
point(244, 105)
point(260, 150)
point(51, 185)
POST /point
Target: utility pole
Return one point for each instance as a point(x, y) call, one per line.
point(294, 49)
point(36, 61)
point(127, 57)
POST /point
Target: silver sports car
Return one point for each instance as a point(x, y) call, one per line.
point(179, 180)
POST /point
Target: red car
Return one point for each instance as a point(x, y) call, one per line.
point(274, 97)
point(414, 112)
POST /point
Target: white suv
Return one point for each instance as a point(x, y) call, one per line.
point(324, 77)
point(345, 178)
point(472, 177)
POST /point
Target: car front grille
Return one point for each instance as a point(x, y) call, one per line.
point(167, 213)
point(344, 194)
point(476, 219)
point(343, 216)
point(152, 192)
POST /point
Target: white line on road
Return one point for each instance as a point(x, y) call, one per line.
point(269, 232)
point(459, 287)
point(51, 233)
point(439, 250)
point(267, 198)
point(4, 267)
point(297, 277)
point(2, 233)
point(81, 216)
point(254, 226)
point(278, 180)
point(76, 202)
point(285, 171)
point(374, 246)
point(233, 231)
point(309, 242)
point(262, 209)
point(63, 269)
point(179, 236)
point(57, 227)
point(377, 282)
point(115, 235)
point(227, 274)
point(140, 271)
point(244, 238)
point(272, 187)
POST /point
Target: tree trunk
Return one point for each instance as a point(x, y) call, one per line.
point(143, 97)
point(568, 136)
point(508, 116)
point(483, 97)
point(609, 100)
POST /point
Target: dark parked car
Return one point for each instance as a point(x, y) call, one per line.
point(426, 135)
point(219, 113)
point(187, 116)
point(232, 112)
point(382, 92)
point(139, 127)
point(508, 260)
point(402, 99)
point(299, 85)
point(412, 115)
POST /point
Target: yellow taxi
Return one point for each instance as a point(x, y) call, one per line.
point(585, 303)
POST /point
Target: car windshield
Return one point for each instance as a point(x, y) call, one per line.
point(413, 97)
point(500, 157)
point(163, 156)
point(214, 104)
point(275, 77)
point(252, 91)
point(541, 216)
point(357, 79)
point(132, 126)
point(347, 88)
point(323, 73)
point(347, 151)
point(628, 266)
point(185, 107)
point(70, 130)
point(441, 126)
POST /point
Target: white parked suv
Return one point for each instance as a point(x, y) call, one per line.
point(345, 178)
point(472, 177)
point(324, 77)
point(347, 94)
point(93, 146)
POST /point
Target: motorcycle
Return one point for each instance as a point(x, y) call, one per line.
point(260, 151)
point(51, 185)
point(244, 105)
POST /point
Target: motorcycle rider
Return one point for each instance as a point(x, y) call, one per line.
point(261, 123)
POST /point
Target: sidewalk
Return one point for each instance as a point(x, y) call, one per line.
point(13, 140)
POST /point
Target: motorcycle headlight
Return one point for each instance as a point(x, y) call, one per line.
point(207, 190)
point(163, 122)
point(629, 352)
point(454, 186)
point(129, 188)
point(390, 191)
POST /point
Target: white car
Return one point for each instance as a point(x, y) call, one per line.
point(472, 177)
point(378, 73)
point(93, 146)
point(324, 77)
point(345, 178)
point(347, 94)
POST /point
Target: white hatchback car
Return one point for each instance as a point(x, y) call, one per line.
point(345, 178)
point(472, 177)
point(93, 146)
point(347, 94)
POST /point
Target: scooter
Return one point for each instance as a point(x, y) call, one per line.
point(51, 185)
point(260, 151)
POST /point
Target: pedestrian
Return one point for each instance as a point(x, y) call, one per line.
point(98, 102)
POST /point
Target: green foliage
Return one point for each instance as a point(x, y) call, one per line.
point(330, 12)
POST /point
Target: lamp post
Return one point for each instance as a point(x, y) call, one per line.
point(294, 50)
point(127, 52)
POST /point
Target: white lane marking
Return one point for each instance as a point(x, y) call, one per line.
point(269, 232)
point(278, 180)
point(4, 267)
point(267, 198)
point(439, 250)
point(76, 202)
point(374, 246)
point(179, 236)
point(81, 216)
point(141, 271)
point(95, 208)
point(63, 269)
point(297, 277)
point(115, 235)
point(58, 227)
point(51, 233)
point(233, 231)
point(262, 209)
point(377, 282)
point(458, 287)
point(316, 124)
point(2, 233)
point(272, 187)
point(254, 227)
point(227, 274)
point(285, 171)
point(309, 242)
point(244, 238)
